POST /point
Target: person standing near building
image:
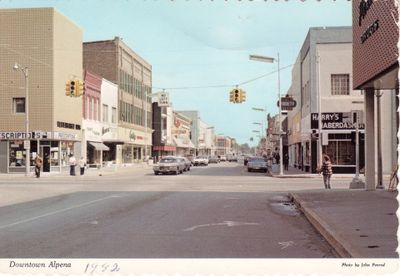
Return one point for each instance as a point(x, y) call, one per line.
point(326, 171)
point(82, 165)
point(38, 165)
point(286, 162)
point(72, 164)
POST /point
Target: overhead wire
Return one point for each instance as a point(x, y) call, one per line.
point(224, 85)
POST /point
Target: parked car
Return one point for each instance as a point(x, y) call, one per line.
point(200, 160)
point(187, 163)
point(169, 164)
point(222, 158)
point(213, 159)
point(257, 164)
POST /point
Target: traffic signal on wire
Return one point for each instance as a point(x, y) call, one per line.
point(68, 88)
point(236, 94)
point(242, 96)
point(231, 97)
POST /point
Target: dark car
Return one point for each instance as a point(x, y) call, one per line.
point(257, 164)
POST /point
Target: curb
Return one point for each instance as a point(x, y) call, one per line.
point(339, 245)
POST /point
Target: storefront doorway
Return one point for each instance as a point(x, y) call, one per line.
point(45, 152)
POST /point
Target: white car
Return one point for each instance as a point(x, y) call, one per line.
point(200, 160)
point(169, 164)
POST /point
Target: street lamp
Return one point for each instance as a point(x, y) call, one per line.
point(27, 145)
point(271, 60)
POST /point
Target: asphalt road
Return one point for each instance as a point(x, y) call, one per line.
point(219, 211)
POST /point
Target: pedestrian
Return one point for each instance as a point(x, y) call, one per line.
point(286, 161)
point(72, 164)
point(82, 165)
point(326, 171)
point(277, 158)
point(38, 165)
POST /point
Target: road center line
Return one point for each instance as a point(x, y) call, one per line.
point(56, 212)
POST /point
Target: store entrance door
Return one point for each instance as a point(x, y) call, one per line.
point(46, 158)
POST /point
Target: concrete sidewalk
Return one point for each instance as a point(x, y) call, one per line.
point(357, 223)
point(124, 168)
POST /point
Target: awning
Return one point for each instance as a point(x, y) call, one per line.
point(99, 146)
point(179, 143)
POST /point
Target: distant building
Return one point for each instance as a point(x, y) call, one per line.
point(181, 135)
point(40, 39)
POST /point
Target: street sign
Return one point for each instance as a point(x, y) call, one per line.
point(27, 144)
point(287, 103)
point(163, 99)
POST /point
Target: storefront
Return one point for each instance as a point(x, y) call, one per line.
point(54, 147)
point(160, 151)
point(135, 143)
point(338, 140)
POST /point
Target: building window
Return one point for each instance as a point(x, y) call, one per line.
point(114, 115)
point(105, 113)
point(19, 105)
point(340, 84)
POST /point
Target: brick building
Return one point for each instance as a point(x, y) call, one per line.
point(118, 63)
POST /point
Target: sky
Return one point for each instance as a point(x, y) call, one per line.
point(199, 50)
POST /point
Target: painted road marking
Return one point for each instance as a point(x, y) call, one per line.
point(225, 223)
point(55, 212)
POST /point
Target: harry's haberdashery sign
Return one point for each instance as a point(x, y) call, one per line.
point(20, 135)
point(334, 120)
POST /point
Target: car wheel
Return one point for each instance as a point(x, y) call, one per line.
point(249, 170)
point(156, 173)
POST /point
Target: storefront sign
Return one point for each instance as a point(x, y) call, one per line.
point(334, 120)
point(13, 135)
point(64, 136)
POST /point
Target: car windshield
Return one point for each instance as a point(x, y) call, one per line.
point(257, 160)
point(168, 160)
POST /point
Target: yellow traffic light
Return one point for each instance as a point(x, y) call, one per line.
point(67, 88)
point(79, 88)
point(231, 97)
point(72, 88)
point(242, 95)
point(236, 96)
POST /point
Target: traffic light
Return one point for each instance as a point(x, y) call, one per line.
point(79, 88)
point(231, 97)
point(67, 88)
point(236, 95)
point(72, 88)
point(242, 95)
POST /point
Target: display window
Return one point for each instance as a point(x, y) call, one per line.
point(17, 153)
point(67, 148)
point(340, 149)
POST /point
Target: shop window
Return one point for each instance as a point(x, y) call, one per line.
point(340, 84)
point(17, 154)
point(19, 105)
point(341, 152)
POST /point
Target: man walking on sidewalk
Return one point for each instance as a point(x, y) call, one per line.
point(38, 165)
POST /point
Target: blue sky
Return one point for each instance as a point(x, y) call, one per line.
point(205, 43)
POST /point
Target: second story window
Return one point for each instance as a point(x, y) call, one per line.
point(105, 113)
point(19, 105)
point(340, 84)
